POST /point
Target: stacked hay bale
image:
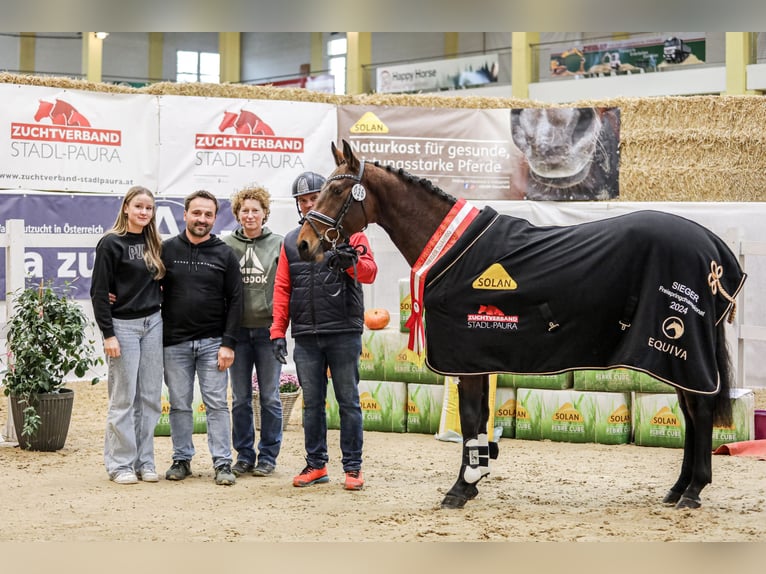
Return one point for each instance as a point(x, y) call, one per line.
point(672, 148)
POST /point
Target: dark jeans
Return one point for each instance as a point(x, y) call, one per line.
point(254, 351)
point(312, 355)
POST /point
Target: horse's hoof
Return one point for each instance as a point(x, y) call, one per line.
point(687, 502)
point(671, 497)
point(451, 501)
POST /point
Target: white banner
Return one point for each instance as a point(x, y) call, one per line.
point(74, 140)
point(438, 75)
point(223, 144)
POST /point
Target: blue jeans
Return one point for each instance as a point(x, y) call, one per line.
point(254, 350)
point(313, 354)
point(182, 362)
point(134, 388)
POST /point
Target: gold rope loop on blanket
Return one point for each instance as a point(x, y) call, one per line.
point(714, 281)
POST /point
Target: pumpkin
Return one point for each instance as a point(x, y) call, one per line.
point(377, 318)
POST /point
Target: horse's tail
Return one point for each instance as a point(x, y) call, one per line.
point(722, 415)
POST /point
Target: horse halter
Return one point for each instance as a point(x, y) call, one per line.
point(358, 193)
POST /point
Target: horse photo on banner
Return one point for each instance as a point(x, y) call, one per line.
point(568, 154)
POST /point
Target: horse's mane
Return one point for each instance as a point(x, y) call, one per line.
point(422, 182)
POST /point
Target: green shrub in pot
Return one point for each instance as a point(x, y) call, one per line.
point(46, 340)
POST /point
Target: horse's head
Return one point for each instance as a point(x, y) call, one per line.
point(340, 209)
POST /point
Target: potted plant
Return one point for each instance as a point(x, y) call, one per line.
point(289, 391)
point(46, 340)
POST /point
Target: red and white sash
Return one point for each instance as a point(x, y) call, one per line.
point(449, 231)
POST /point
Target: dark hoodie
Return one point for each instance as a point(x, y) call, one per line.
point(202, 291)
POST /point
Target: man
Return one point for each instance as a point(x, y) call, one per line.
point(325, 304)
point(201, 310)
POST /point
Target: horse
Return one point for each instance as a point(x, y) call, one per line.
point(434, 231)
point(571, 153)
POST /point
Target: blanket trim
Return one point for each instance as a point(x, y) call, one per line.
point(573, 369)
point(467, 247)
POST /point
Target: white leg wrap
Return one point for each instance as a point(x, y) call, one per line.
point(471, 475)
point(483, 454)
point(472, 472)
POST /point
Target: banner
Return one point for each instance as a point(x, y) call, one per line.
point(626, 57)
point(74, 140)
point(466, 152)
point(570, 154)
point(450, 74)
point(94, 215)
point(224, 144)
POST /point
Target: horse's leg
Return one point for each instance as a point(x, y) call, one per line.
point(487, 450)
point(696, 468)
point(471, 395)
point(677, 490)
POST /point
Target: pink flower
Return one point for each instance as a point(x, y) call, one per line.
point(288, 383)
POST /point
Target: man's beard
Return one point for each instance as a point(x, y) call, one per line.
point(199, 230)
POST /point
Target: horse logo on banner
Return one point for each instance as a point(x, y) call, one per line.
point(60, 113)
point(245, 123)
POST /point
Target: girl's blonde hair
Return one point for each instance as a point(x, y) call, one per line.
point(153, 246)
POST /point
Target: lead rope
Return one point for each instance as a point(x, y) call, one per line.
point(362, 250)
point(714, 281)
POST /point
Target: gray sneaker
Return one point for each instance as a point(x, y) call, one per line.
point(241, 467)
point(263, 469)
point(224, 476)
point(179, 470)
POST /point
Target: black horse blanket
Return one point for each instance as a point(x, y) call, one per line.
point(643, 291)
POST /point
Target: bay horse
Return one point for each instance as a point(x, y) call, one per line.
point(560, 301)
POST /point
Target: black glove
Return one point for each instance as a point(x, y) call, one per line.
point(342, 257)
point(279, 346)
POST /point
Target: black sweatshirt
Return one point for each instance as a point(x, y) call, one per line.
point(120, 269)
point(202, 291)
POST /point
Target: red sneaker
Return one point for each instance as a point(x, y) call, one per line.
point(354, 480)
point(311, 475)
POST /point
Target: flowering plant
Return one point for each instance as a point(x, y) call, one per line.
point(288, 383)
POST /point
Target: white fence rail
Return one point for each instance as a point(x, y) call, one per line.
point(14, 241)
point(747, 331)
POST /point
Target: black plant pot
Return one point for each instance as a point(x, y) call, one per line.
point(55, 410)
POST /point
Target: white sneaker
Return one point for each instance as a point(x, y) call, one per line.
point(148, 475)
point(126, 477)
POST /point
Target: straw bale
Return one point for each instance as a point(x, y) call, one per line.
point(64, 83)
point(672, 148)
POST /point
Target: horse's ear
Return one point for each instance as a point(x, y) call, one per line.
point(336, 154)
point(351, 160)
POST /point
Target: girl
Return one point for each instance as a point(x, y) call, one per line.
point(125, 292)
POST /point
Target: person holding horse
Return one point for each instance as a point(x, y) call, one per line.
point(126, 297)
point(257, 250)
point(324, 305)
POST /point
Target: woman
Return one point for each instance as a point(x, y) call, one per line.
point(257, 250)
point(125, 292)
